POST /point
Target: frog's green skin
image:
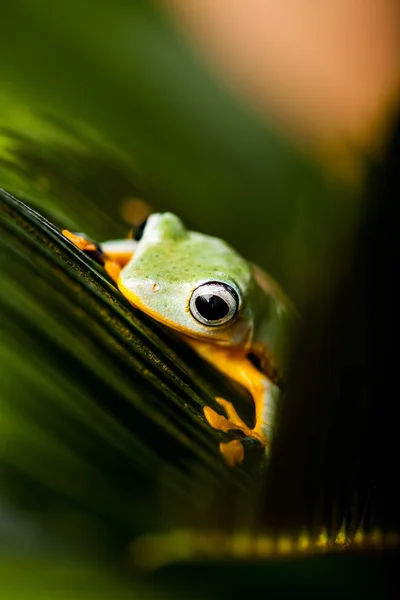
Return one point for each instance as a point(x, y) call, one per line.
point(159, 277)
point(171, 261)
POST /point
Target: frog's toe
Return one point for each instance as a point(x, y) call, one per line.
point(232, 414)
point(79, 240)
point(216, 420)
point(222, 423)
point(86, 245)
point(233, 452)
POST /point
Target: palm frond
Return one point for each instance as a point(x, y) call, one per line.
point(104, 406)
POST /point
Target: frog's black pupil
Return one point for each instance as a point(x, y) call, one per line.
point(211, 307)
point(138, 231)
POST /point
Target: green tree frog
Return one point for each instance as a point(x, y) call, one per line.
point(226, 308)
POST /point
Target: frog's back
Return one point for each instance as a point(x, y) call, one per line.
point(274, 317)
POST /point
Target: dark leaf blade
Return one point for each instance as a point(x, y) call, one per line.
point(118, 392)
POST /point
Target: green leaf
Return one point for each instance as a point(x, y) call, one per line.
point(101, 405)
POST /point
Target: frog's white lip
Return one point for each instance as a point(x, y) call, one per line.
point(112, 247)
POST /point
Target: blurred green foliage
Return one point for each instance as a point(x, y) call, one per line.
point(124, 72)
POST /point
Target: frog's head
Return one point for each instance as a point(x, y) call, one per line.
point(190, 282)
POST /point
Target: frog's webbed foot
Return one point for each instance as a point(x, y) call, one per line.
point(85, 244)
point(222, 423)
point(233, 451)
point(110, 255)
point(232, 422)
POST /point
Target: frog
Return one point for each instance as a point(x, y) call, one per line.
point(229, 310)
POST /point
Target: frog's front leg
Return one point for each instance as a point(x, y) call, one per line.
point(265, 393)
point(112, 255)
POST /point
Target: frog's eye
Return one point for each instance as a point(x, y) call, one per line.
point(214, 303)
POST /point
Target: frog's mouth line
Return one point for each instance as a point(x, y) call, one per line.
point(137, 303)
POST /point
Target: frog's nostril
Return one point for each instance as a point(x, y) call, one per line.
point(155, 287)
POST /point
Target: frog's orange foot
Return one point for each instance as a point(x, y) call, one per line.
point(233, 421)
point(222, 423)
point(79, 241)
point(86, 245)
point(233, 452)
point(112, 267)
